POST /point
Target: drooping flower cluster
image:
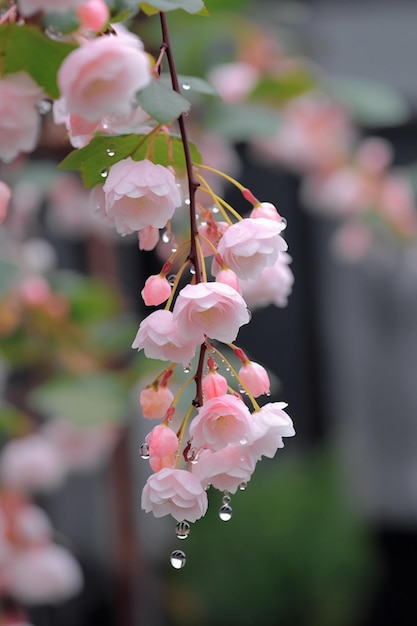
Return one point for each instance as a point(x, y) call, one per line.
point(135, 155)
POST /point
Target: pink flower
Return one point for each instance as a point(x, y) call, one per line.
point(174, 492)
point(159, 337)
point(102, 76)
point(31, 464)
point(29, 7)
point(148, 238)
point(32, 526)
point(214, 385)
point(155, 401)
point(162, 441)
point(234, 81)
point(248, 246)
point(43, 575)
point(220, 421)
point(140, 194)
point(270, 425)
point(210, 233)
point(255, 378)
point(267, 210)
point(5, 197)
point(224, 469)
point(156, 290)
point(19, 118)
point(212, 309)
point(273, 286)
point(93, 14)
point(228, 277)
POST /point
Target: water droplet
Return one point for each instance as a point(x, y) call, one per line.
point(105, 126)
point(166, 236)
point(226, 498)
point(186, 86)
point(208, 486)
point(182, 530)
point(44, 106)
point(178, 559)
point(243, 485)
point(227, 369)
point(250, 314)
point(171, 279)
point(243, 441)
point(174, 246)
point(187, 201)
point(110, 152)
point(187, 369)
point(268, 393)
point(192, 455)
point(144, 451)
point(283, 223)
point(215, 209)
point(241, 390)
point(104, 172)
point(192, 270)
point(225, 513)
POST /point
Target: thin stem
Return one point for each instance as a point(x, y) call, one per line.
point(198, 400)
point(193, 184)
point(234, 372)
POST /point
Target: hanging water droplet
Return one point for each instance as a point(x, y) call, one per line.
point(192, 270)
point(250, 314)
point(178, 559)
point(225, 513)
point(268, 393)
point(215, 209)
point(241, 390)
point(110, 152)
point(283, 223)
point(171, 279)
point(186, 86)
point(187, 201)
point(243, 441)
point(226, 498)
point(104, 172)
point(166, 236)
point(174, 246)
point(105, 126)
point(243, 485)
point(192, 455)
point(187, 369)
point(182, 530)
point(207, 486)
point(227, 369)
point(144, 451)
point(44, 106)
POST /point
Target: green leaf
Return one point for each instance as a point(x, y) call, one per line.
point(64, 22)
point(90, 300)
point(26, 48)
point(279, 89)
point(242, 122)
point(13, 421)
point(103, 151)
point(154, 6)
point(161, 102)
point(93, 399)
point(371, 104)
point(190, 84)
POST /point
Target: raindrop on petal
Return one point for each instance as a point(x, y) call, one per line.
point(186, 86)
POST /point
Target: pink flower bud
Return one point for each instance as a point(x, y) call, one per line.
point(155, 402)
point(148, 238)
point(228, 277)
point(162, 441)
point(156, 290)
point(93, 15)
point(255, 378)
point(214, 385)
point(266, 209)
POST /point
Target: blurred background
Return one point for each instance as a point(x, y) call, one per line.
point(316, 114)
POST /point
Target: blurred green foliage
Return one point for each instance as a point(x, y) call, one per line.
point(293, 553)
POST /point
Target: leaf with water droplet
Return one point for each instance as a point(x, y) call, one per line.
point(161, 102)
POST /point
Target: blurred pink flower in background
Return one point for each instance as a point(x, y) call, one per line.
point(233, 81)
point(273, 286)
point(19, 117)
point(5, 197)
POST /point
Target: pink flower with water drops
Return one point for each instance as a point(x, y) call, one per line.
point(250, 245)
point(159, 337)
point(221, 420)
point(225, 469)
point(211, 309)
point(155, 401)
point(175, 492)
point(255, 378)
point(102, 76)
point(140, 194)
point(156, 290)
